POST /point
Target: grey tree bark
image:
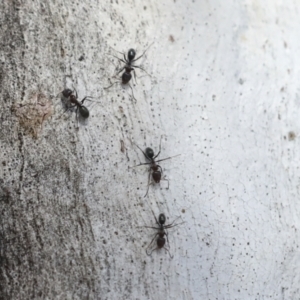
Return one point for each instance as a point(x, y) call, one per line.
point(222, 93)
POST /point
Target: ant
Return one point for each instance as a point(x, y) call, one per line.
point(83, 111)
point(129, 67)
point(161, 233)
point(155, 170)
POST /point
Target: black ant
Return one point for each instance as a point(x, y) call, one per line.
point(129, 67)
point(161, 233)
point(83, 111)
point(155, 170)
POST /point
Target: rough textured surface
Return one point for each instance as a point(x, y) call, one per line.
point(224, 95)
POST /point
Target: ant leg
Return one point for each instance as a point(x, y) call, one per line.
point(166, 233)
point(167, 158)
point(159, 148)
point(134, 76)
point(161, 171)
point(171, 225)
point(142, 54)
point(143, 153)
point(83, 99)
point(120, 59)
point(164, 179)
point(149, 182)
point(77, 118)
point(122, 53)
point(105, 88)
point(138, 57)
point(67, 110)
point(112, 63)
point(171, 256)
point(132, 92)
point(59, 93)
point(141, 69)
point(126, 62)
point(149, 253)
point(116, 51)
point(141, 165)
point(151, 244)
point(87, 98)
point(120, 71)
point(148, 227)
point(155, 218)
point(75, 91)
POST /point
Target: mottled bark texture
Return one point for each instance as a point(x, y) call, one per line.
point(223, 93)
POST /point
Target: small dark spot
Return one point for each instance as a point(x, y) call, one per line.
point(241, 81)
point(62, 51)
point(145, 7)
point(292, 136)
point(171, 38)
point(104, 241)
point(81, 58)
point(122, 146)
point(183, 210)
point(207, 244)
point(4, 163)
point(116, 232)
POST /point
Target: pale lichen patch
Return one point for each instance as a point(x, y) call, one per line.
point(33, 113)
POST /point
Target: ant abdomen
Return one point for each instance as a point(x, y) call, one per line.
point(156, 175)
point(126, 76)
point(84, 112)
point(160, 242)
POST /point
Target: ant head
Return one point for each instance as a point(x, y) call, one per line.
point(67, 93)
point(131, 54)
point(149, 152)
point(161, 219)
